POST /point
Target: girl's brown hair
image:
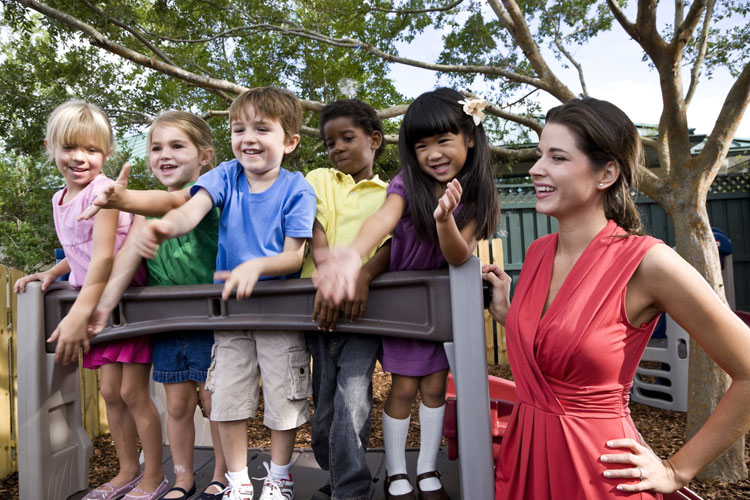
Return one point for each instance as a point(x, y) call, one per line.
point(605, 134)
point(195, 127)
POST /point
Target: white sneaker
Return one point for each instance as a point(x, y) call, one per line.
point(276, 490)
point(243, 491)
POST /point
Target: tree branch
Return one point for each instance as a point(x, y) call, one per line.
point(735, 104)
point(568, 55)
point(684, 32)
point(628, 26)
point(130, 30)
point(507, 115)
point(419, 11)
point(99, 40)
point(140, 116)
point(522, 36)
point(679, 12)
point(502, 14)
point(702, 45)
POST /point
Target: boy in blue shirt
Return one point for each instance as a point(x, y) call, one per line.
point(267, 213)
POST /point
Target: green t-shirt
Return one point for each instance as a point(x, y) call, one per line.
point(189, 259)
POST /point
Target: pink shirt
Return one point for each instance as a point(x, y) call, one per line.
point(77, 237)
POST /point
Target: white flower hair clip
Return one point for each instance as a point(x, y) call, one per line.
point(473, 107)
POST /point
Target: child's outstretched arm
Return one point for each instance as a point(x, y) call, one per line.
point(151, 203)
point(71, 333)
point(456, 245)
point(177, 222)
point(125, 265)
point(46, 277)
point(338, 269)
point(354, 309)
point(244, 277)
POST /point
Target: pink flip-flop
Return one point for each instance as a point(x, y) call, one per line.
point(108, 491)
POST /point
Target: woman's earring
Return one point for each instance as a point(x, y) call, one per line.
point(601, 184)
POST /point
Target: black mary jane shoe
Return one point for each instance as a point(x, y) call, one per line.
point(387, 484)
point(213, 496)
point(186, 494)
point(438, 494)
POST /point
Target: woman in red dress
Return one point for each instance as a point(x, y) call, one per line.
point(587, 300)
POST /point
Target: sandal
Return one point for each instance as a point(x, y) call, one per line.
point(107, 491)
point(213, 496)
point(185, 494)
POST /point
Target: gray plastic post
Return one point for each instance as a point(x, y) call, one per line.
point(470, 377)
point(53, 447)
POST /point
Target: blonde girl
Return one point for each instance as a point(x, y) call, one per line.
point(180, 150)
point(79, 139)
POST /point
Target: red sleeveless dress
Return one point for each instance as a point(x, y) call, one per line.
point(573, 369)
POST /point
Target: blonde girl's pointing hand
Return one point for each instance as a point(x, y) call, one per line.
point(109, 197)
point(448, 202)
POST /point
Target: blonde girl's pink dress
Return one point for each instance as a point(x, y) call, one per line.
point(573, 368)
point(76, 238)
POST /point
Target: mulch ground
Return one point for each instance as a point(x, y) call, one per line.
point(662, 429)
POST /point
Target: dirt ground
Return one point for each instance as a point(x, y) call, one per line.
point(662, 429)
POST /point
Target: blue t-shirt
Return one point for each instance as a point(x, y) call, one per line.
point(254, 225)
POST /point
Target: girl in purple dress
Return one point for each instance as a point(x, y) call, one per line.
point(443, 151)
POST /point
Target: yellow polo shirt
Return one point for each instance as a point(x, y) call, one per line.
point(343, 206)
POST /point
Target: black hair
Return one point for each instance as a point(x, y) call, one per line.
point(434, 113)
point(604, 133)
point(361, 114)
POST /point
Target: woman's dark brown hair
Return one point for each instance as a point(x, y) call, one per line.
point(605, 134)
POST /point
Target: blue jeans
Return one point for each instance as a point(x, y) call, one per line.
point(342, 395)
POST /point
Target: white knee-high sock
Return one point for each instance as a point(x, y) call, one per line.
point(431, 434)
point(395, 432)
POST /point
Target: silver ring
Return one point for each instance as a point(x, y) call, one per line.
point(640, 471)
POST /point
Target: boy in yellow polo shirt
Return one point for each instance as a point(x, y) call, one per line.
point(343, 363)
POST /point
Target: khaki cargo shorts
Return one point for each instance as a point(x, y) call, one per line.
point(241, 358)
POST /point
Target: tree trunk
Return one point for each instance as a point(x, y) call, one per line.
point(707, 383)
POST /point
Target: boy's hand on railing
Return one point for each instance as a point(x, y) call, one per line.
point(336, 272)
point(354, 309)
point(45, 277)
point(325, 313)
point(448, 202)
point(110, 197)
point(152, 233)
point(71, 335)
point(242, 278)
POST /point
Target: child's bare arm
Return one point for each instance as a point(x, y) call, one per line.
point(456, 245)
point(354, 309)
point(46, 277)
point(71, 333)
point(325, 312)
point(125, 265)
point(244, 277)
point(151, 203)
point(339, 268)
point(177, 222)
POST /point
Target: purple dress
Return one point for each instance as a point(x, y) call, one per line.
point(411, 357)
